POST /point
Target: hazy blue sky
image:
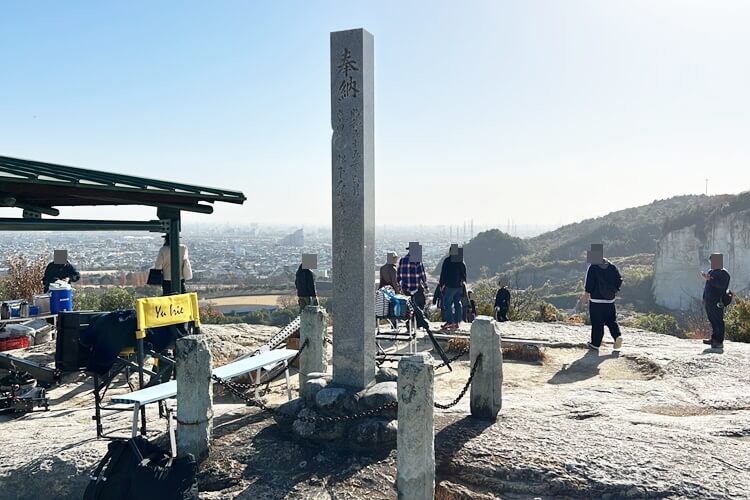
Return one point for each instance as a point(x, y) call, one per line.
point(546, 112)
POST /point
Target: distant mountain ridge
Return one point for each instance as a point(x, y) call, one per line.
point(624, 233)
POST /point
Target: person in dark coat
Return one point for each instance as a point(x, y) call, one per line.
point(602, 283)
point(452, 279)
point(304, 282)
point(502, 303)
point(717, 284)
point(60, 269)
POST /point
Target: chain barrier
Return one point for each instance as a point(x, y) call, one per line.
point(235, 389)
point(460, 353)
point(466, 387)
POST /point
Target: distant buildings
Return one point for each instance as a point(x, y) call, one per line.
point(296, 239)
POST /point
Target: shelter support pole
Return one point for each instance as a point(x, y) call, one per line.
point(174, 253)
point(174, 246)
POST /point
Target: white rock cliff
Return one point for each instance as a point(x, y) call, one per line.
point(683, 253)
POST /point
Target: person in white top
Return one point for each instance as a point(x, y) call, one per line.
point(163, 263)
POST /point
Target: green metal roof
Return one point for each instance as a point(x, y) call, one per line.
point(39, 187)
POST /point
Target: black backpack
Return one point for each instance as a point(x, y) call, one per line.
point(606, 289)
point(136, 469)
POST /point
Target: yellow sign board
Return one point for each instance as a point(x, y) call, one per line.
point(153, 312)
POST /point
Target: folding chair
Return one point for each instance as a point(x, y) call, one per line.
point(152, 312)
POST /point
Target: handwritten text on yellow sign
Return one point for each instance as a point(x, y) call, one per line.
point(161, 311)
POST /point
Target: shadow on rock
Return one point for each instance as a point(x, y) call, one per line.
point(232, 422)
point(278, 465)
point(453, 437)
point(75, 391)
point(52, 475)
point(581, 369)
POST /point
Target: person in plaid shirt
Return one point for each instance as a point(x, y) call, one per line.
point(410, 275)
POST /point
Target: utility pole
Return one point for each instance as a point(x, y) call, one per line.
point(706, 186)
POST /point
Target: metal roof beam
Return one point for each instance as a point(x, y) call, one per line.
point(11, 224)
point(35, 208)
point(201, 209)
point(52, 170)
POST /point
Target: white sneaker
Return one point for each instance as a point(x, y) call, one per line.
point(618, 343)
point(593, 347)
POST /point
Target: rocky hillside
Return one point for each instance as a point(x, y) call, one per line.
point(624, 233)
point(663, 419)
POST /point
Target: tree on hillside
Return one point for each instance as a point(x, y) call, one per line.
point(489, 252)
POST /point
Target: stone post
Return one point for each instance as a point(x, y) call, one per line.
point(353, 197)
point(486, 388)
point(313, 331)
point(415, 465)
point(194, 396)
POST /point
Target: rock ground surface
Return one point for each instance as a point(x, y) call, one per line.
point(663, 419)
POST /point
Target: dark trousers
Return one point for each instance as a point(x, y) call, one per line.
point(716, 318)
point(603, 314)
point(166, 287)
point(501, 314)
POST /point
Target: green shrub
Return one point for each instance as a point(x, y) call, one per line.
point(737, 320)
point(116, 298)
point(525, 305)
point(637, 287)
point(659, 323)
point(86, 301)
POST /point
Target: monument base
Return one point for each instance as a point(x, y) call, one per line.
point(321, 398)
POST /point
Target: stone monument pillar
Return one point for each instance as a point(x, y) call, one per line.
point(312, 330)
point(415, 460)
point(352, 155)
point(487, 384)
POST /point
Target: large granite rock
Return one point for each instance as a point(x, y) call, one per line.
point(288, 413)
point(379, 394)
point(312, 387)
point(682, 252)
point(336, 401)
point(663, 420)
point(386, 374)
point(373, 432)
point(319, 431)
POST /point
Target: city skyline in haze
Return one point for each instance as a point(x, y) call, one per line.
point(543, 113)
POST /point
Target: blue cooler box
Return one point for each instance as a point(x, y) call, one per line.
point(60, 300)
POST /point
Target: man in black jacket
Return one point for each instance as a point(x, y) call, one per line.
point(452, 281)
point(717, 284)
point(603, 282)
point(59, 269)
point(304, 282)
point(502, 303)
